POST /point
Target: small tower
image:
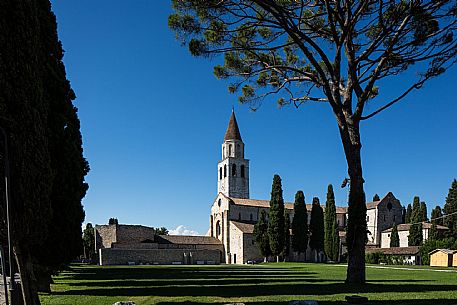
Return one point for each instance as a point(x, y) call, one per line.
point(233, 169)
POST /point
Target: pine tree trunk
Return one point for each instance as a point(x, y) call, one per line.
point(29, 291)
point(356, 227)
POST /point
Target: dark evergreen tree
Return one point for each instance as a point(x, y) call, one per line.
point(304, 51)
point(450, 210)
point(394, 238)
point(316, 227)
point(403, 215)
point(336, 242)
point(330, 221)
point(376, 197)
point(433, 233)
point(45, 147)
point(423, 212)
point(276, 218)
point(113, 221)
point(437, 215)
point(286, 250)
point(161, 231)
point(89, 241)
point(409, 212)
point(415, 231)
point(261, 235)
point(300, 224)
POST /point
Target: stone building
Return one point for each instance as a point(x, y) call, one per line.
point(403, 233)
point(135, 244)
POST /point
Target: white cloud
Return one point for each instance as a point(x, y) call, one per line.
point(183, 230)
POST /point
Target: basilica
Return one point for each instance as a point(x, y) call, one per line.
point(231, 222)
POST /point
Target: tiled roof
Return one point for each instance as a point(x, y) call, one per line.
point(233, 132)
point(244, 227)
point(395, 250)
point(372, 205)
point(266, 204)
point(406, 226)
point(191, 240)
point(446, 251)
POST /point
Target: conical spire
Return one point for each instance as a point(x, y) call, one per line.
point(233, 132)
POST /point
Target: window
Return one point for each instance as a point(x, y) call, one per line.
point(220, 172)
point(225, 170)
point(234, 170)
point(253, 242)
point(230, 150)
point(218, 228)
point(368, 218)
point(242, 171)
point(239, 216)
point(384, 217)
point(223, 152)
point(394, 217)
point(388, 235)
point(250, 217)
point(219, 202)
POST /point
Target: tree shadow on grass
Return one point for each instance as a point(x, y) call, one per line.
point(253, 290)
point(387, 302)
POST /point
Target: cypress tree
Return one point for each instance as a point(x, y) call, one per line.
point(437, 215)
point(409, 212)
point(336, 242)
point(316, 227)
point(261, 235)
point(376, 197)
point(300, 224)
point(433, 234)
point(450, 207)
point(415, 231)
point(285, 251)
point(403, 214)
point(276, 218)
point(423, 212)
point(89, 241)
point(330, 221)
point(394, 238)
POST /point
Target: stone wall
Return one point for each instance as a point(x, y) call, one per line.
point(134, 234)
point(105, 236)
point(158, 256)
point(251, 250)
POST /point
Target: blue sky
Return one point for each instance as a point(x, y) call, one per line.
point(153, 119)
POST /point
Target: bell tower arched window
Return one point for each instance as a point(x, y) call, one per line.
point(234, 170)
point(230, 150)
point(242, 171)
point(225, 170)
point(220, 173)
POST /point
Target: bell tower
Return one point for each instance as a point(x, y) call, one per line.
point(233, 169)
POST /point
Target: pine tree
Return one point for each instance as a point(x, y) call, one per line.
point(415, 231)
point(300, 224)
point(285, 251)
point(423, 212)
point(437, 215)
point(276, 218)
point(316, 227)
point(394, 238)
point(450, 207)
point(261, 235)
point(409, 212)
point(330, 221)
point(376, 197)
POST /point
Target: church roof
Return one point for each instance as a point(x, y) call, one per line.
point(412, 250)
point(266, 204)
point(374, 204)
point(233, 132)
point(425, 225)
point(244, 227)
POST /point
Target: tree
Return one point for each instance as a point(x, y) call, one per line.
point(261, 235)
point(423, 212)
point(330, 52)
point(450, 210)
point(286, 250)
point(415, 231)
point(113, 221)
point(44, 144)
point(89, 241)
point(336, 242)
point(161, 231)
point(300, 224)
point(433, 233)
point(276, 218)
point(403, 214)
point(408, 214)
point(394, 238)
point(376, 197)
point(331, 228)
point(437, 215)
point(316, 227)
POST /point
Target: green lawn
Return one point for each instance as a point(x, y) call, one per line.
point(258, 284)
